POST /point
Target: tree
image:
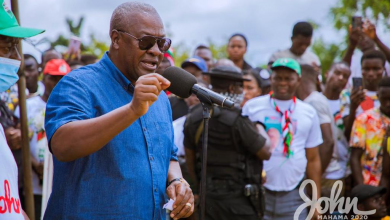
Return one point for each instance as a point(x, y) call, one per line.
point(327, 53)
point(375, 10)
point(218, 51)
point(73, 29)
point(96, 47)
point(181, 51)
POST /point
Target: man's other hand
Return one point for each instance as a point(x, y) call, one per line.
point(183, 196)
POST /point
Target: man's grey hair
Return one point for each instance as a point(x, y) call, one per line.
point(121, 15)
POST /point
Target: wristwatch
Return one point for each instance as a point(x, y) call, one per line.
point(179, 179)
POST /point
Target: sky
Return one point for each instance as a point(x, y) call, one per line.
point(266, 23)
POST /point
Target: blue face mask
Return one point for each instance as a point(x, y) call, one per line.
point(8, 73)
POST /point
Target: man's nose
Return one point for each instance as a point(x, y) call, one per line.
point(283, 82)
point(155, 51)
point(371, 73)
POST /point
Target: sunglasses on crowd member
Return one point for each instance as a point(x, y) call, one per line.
point(148, 41)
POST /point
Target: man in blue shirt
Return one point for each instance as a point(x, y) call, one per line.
point(110, 129)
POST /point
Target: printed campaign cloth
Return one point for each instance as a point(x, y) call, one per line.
point(368, 131)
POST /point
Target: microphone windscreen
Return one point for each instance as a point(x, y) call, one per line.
point(181, 81)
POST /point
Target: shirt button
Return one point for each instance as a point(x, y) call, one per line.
point(151, 158)
point(155, 189)
point(144, 129)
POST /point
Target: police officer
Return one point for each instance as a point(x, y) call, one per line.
point(236, 148)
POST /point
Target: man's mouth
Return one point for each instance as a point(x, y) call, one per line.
point(283, 90)
point(149, 65)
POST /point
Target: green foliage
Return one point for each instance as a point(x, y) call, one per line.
point(327, 53)
point(315, 25)
point(75, 29)
point(181, 51)
point(96, 47)
point(61, 40)
point(218, 51)
point(375, 10)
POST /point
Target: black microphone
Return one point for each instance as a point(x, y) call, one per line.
point(183, 84)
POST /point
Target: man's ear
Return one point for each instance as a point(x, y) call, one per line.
point(115, 39)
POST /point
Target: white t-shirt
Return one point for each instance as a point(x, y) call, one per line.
point(284, 174)
point(356, 67)
point(40, 90)
point(342, 143)
point(10, 207)
point(307, 57)
point(38, 144)
point(178, 128)
point(320, 104)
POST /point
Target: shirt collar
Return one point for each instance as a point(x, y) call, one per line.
point(116, 73)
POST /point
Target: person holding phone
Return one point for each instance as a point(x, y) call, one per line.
point(363, 97)
point(362, 35)
point(368, 138)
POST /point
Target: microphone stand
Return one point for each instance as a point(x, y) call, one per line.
point(207, 105)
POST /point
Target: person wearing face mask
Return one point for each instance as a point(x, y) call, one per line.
point(236, 150)
point(10, 59)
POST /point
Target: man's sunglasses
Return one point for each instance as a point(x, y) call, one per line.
point(147, 42)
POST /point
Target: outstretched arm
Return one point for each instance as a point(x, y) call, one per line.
point(370, 30)
point(354, 36)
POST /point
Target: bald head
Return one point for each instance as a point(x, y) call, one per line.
point(225, 62)
point(128, 13)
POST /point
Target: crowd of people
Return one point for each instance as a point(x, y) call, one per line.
point(290, 123)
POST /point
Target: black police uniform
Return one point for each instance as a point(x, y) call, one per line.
point(233, 170)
